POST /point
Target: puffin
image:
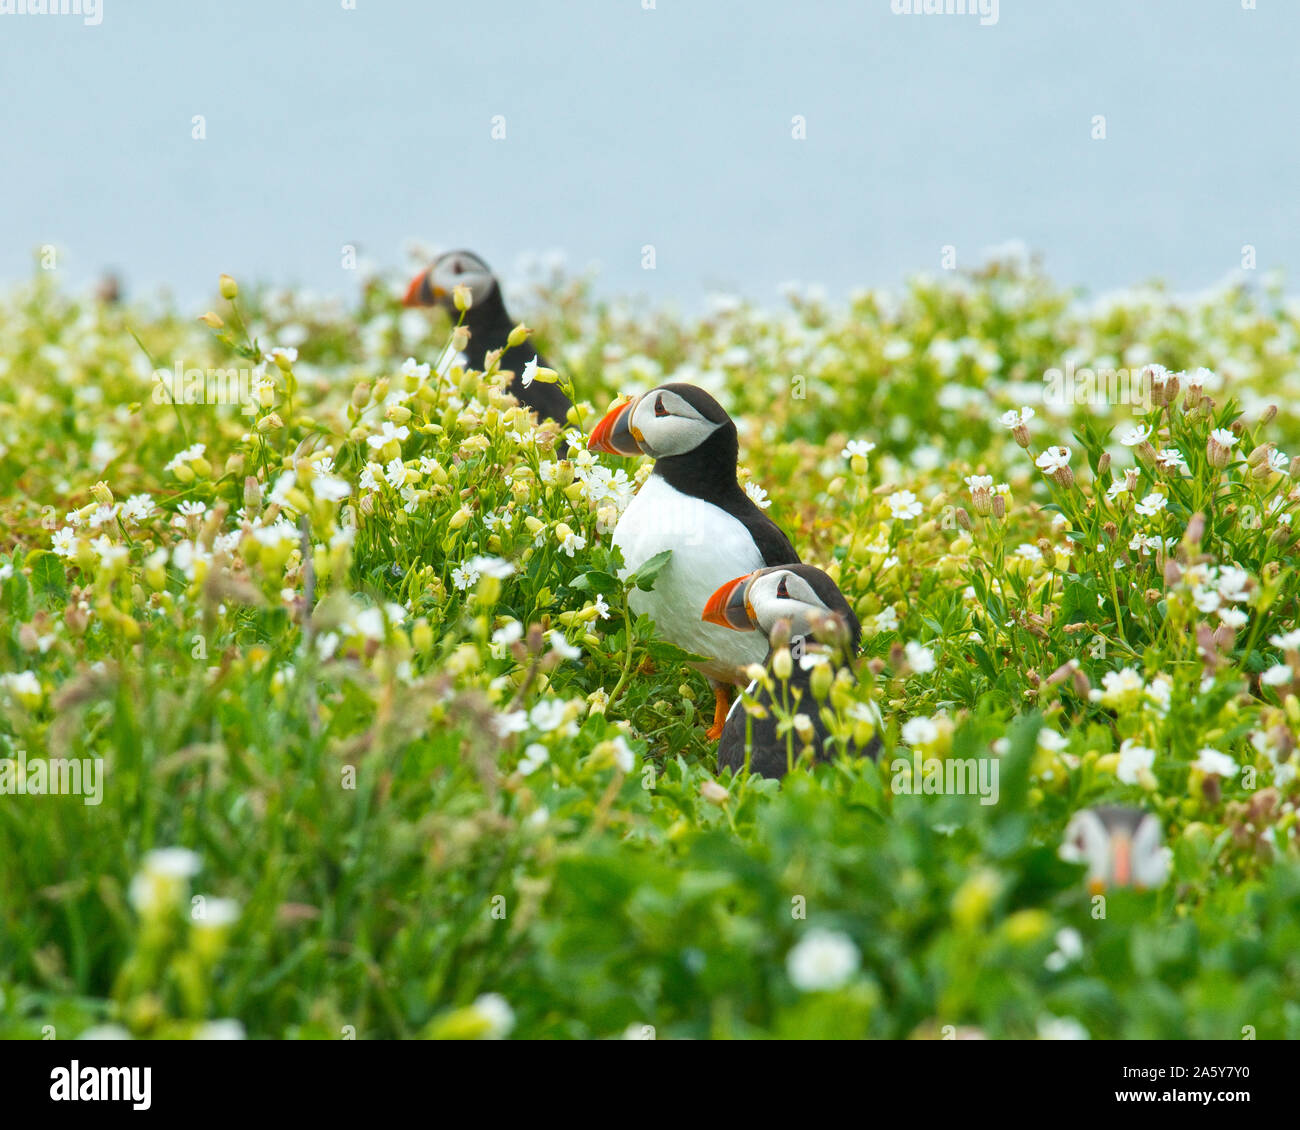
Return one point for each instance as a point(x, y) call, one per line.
point(1121, 847)
point(807, 606)
point(692, 504)
point(489, 326)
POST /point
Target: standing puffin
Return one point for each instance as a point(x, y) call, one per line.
point(1122, 847)
point(489, 326)
point(809, 607)
point(693, 505)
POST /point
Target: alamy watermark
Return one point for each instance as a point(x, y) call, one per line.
point(179, 385)
point(55, 776)
point(90, 11)
point(947, 776)
point(1071, 387)
point(987, 10)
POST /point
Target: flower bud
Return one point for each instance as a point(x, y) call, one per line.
point(782, 664)
point(518, 335)
point(229, 288)
point(211, 320)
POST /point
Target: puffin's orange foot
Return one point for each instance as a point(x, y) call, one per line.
point(721, 705)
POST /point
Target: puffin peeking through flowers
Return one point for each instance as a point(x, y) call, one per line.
point(694, 505)
point(489, 327)
point(799, 607)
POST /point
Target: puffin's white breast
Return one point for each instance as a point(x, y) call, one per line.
point(710, 547)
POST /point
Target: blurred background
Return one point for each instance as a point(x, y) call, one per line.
point(627, 126)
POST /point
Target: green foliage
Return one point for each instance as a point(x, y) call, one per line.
point(356, 640)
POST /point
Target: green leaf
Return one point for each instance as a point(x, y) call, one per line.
point(596, 580)
point(644, 577)
point(49, 580)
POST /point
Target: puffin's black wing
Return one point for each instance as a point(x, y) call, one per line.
point(768, 536)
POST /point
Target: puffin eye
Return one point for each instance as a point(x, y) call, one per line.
point(660, 410)
point(782, 591)
point(457, 268)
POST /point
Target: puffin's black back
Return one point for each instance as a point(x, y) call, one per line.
point(489, 327)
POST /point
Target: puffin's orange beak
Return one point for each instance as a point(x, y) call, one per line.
point(728, 607)
point(421, 293)
point(613, 435)
point(1122, 855)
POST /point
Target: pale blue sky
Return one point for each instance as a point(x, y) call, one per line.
point(669, 127)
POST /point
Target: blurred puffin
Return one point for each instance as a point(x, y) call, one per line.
point(692, 504)
point(489, 326)
point(1122, 847)
point(789, 602)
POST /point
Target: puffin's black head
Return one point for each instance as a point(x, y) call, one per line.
point(434, 286)
point(803, 596)
point(1122, 847)
point(672, 420)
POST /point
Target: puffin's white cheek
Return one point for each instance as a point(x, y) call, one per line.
point(673, 435)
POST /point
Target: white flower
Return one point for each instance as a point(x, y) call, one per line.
point(1053, 459)
point(1069, 948)
point(1233, 617)
point(220, 1030)
point(857, 447)
point(217, 912)
point(601, 606)
point(1151, 505)
point(491, 567)
point(529, 374)
point(496, 1013)
point(886, 620)
point(24, 683)
point(65, 542)
point(757, 495)
point(191, 453)
point(137, 508)
point(387, 433)
point(919, 732)
point(561, 646)
point(1133, 758)
point(277, 354)
point(903, 505)
point(572, 541)
point(504, 636)
point(535, 756)
point(1061, 1028)
point(411, 369)
point(1171, 459)
point(1212, 761)
point(1288, 642)
point(191, 509)
point(1224, 438)
point(395, 472)
point(624, 758)
point(549, 714)
point(514, 722)
point(463, 578)
point(1013, 419)
point(330, 487)
point(822, 961)
point(919, 657)
point(1135, 436)
point(1277, 676)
